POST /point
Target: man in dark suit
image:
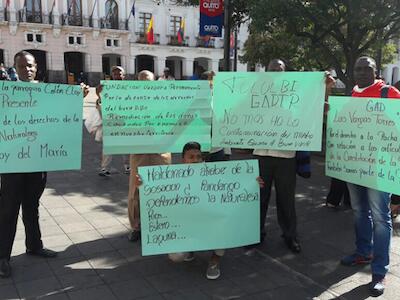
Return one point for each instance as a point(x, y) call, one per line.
point(21, 189)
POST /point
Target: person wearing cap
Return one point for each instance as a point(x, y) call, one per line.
point(117, 73)
point(166, 75)
point(140, 160)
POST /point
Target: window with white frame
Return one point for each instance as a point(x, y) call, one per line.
point(76, 40)
point(112, 42)
point(34, 37)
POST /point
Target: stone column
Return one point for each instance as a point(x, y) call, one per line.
point(45, 12)
point(214, 65)
point(56, 14)
point(12, 12)
point(65, 11)
point(131, 70)
point(159, 65)
point(94, 68)
point(56, 68)
point(187, 67)
point(85, 13)
point(95, 17)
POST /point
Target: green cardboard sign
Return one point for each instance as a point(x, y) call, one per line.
point(155, 116)
point(200, 206)
point(273, 110)
point(363, 142)
point(41, 127)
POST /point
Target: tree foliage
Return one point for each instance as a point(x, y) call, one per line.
point(321, 33)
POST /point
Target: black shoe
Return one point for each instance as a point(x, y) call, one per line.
point(293, 245)
point(134, 236)
point(377, 285)
point(5, 268)
point(46, 253)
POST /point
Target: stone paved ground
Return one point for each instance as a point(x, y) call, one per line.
point(84, 217)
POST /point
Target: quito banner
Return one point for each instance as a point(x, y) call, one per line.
point(211, 17)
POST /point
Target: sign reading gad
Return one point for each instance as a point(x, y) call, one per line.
point(273, 110)
point(363, 142)
point(155, 116)
point(41, 127)
point(201, 206)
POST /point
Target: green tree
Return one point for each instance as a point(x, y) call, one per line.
point(322, 33)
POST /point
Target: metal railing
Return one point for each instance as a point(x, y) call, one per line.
point(142, 38)
point(30, 16)
point(205, 42)
point(113, 23)
point(73, 20)
point(173, 41)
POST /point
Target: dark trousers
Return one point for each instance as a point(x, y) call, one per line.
point(282, 173)
point(20, 189)
point(337, 191)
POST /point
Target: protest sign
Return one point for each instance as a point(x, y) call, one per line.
point(273, 110)
point(362, 145)
point(41, 127)
point(200, 206)
point(155, 116)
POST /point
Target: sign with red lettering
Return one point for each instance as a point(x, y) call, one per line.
point(211, 17)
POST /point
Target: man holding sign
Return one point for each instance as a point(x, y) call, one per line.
point(373, 222)
point(21, 189)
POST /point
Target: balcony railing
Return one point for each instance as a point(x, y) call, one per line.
point(205, 42)
point(107, 23)
point(30, 16)
point(173, 41)
point(142, 38)
point(73, 20)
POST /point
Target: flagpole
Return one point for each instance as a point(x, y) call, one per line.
point(94, 6)
point(227, 36)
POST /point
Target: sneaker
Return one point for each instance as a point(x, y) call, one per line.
point(213, 271)
point(355, 259)
point(189, 257)
point(127, 169)
point(377, 285)
point(104, 173)
point(134, 235)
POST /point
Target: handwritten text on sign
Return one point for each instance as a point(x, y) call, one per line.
point(41, 127)
point(200, 206)
point(363, 142)
point(273, 110)
point(155, 116)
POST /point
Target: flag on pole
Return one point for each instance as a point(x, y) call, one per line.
point(231, 44)
point(52, 7)
point(94, 7)
point(150, 32)
point(181, 32)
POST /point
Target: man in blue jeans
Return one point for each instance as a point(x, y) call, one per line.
point(373, 224)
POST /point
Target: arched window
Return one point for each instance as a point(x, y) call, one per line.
point(111, 19)
point(74, 12)
point(33, 11)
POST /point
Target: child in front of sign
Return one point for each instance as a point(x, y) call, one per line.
point(191, 154)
